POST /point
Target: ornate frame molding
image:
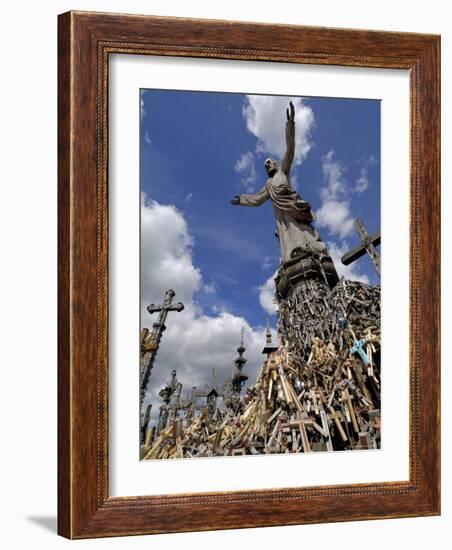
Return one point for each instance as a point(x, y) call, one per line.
point(85, 42)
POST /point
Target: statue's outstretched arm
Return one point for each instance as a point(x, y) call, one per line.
point(255, 199)
point(286, 162)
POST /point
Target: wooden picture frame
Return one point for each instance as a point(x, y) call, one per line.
point(86, 40)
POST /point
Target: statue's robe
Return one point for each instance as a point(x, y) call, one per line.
point(293, 214)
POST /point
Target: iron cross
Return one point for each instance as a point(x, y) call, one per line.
point(147, 359)
point(368, 244)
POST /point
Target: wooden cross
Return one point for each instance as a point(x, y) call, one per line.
point(151, 342)
point(348, 400)
point(368, 244)
point(334, 416)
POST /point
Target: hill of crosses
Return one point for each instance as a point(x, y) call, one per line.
point(319, 389)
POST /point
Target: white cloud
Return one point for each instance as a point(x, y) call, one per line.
point(334, 212)
point(194, 342)
point(333, 173)
point(351, 271)
point(142, 107)
point(266, 118)
point(189, 197)
point(362, 182)
point(267, 295)
point(246, 169)
point(147, 138)
point(166, 254)
point(335, 215)
point(210, 288)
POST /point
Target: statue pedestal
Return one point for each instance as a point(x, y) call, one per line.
point(306, 266)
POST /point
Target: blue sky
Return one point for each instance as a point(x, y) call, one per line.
point(191, 147)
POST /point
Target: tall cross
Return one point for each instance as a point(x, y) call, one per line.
point(148, 357)
point(368, 244)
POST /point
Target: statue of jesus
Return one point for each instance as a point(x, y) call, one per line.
point(293, 214)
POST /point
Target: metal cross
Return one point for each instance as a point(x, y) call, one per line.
point(358, 346)
point(149, 354)
point(368, 244)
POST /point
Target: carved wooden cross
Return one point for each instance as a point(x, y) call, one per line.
point(368, 244)
point(148, 357)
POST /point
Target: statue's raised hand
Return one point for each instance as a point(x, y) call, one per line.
point(291, 114)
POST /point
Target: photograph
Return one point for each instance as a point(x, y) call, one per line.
point(260, 326)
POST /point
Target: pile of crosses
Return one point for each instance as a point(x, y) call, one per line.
point(318, 391)
point(321, 395)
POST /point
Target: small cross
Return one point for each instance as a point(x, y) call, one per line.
point(334, 416)
point(358, 348)
point(348, 400)
point(368, 244)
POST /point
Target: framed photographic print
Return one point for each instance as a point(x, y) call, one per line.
point(280, 359)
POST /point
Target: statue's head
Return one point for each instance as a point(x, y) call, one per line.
point(271, 166)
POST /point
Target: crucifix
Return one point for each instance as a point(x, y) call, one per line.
point(151, 342)
point(368, 244)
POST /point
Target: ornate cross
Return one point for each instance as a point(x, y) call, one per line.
point(368, 244)
point(151, 345)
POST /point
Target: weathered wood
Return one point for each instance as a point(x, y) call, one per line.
point(368, 244)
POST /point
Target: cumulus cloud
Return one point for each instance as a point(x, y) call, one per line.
point(166, 254)
point(335, 215)
point(265, 118)
point(334, 212)
point(246, 169)
point(194, 342)
point(267, 295)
